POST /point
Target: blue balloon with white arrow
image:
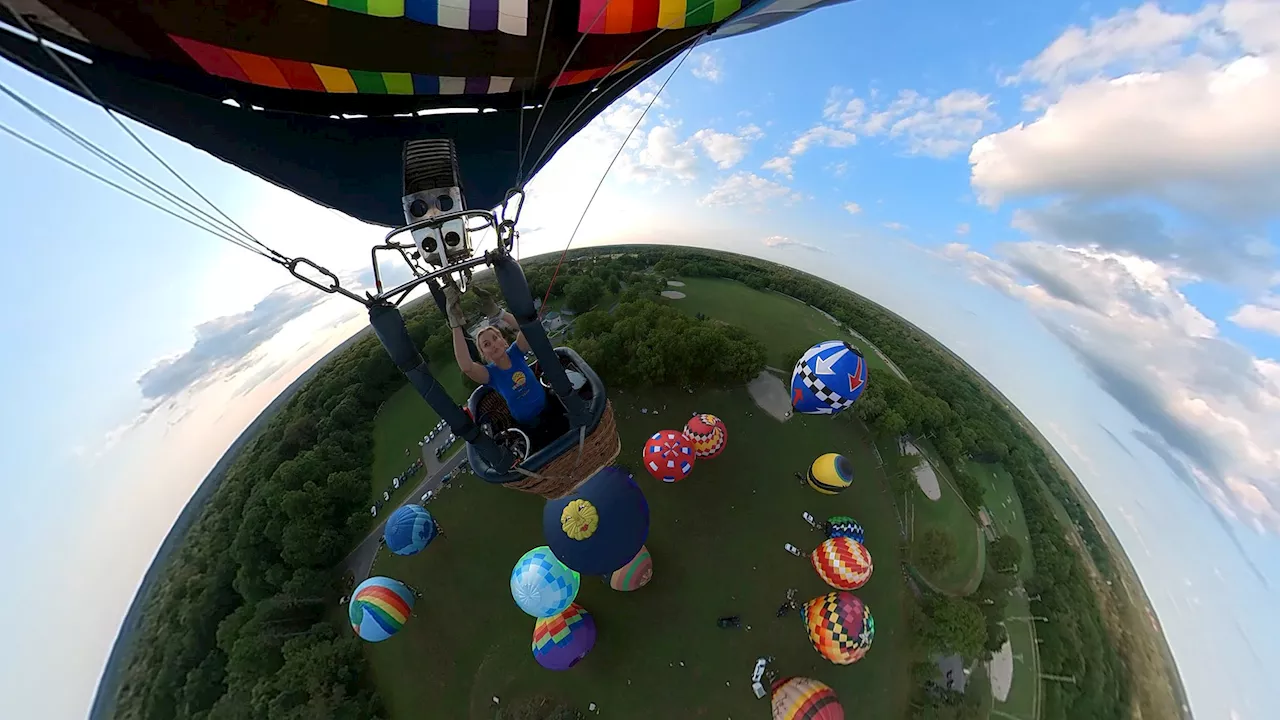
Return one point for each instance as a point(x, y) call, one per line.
point(828, 378)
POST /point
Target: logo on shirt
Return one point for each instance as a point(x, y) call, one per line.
point(518, 379)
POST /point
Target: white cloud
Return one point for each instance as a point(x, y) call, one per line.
point(726, 149)
point(938, 127)
point(852, 208)
point(894, 225)
point(1177, 108)
point(784, 241)
point(1128, 322)
point(1263, 315)
point(744, 188)
point(962, 229)
point(706, 67)
point(822, 135)
point(784, 165)
point(664, 153)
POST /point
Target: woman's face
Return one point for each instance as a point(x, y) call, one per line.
point(492, 345)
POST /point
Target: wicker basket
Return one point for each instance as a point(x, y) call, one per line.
point(564, 474)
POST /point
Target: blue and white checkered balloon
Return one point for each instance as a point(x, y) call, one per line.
point(542, 585)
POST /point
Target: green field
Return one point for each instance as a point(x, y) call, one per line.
point(1002, 503)
point(782, 323)
point(401, 423)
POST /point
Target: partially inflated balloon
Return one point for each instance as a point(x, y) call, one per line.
point(379, 607)
point(804, 699)
point(563, 639)
point(635, 574)
point(828, 378)
point(844, 526)
point(840, 627)
point(541, 585)
point(409, 529)
point(830, 474)
point(843, 563)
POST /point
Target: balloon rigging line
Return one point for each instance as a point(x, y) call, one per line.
point(141, 143)
point(122, 166)
point(538, 120)
point(111, 183)
point(537, 67)
point(572, 117)
point(600, 184)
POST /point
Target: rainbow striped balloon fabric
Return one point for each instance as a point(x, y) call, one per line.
point(635, 574)
point(379, 607)
point(800, 698)
point(563, 639)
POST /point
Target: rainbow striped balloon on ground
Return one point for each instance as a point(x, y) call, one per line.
point(409, 529)
point(669, 456)
point(379, 607)
point(828, 378)
point(830, 474)
point(563, 639)
point(804, 699)
point(708, 434)
point(841, 562)
point(840, 627)
point(635, 574)
point(541, 585)
point(844, 526)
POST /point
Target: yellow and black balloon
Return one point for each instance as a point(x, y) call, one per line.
point(830, 474)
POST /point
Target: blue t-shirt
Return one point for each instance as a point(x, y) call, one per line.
point(519, 387)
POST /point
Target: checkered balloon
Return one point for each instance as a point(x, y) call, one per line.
point(828, 378)
point(840, 627)
point(844, 526)
point(669, 456)
point(708, 434)
point(541, 585)
point(843, 563)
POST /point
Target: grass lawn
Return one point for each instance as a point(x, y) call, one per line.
point(783, 323)
point(947, 514)
point(717, 542)
point(400, 424)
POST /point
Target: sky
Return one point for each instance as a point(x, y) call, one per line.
point(1082, 200)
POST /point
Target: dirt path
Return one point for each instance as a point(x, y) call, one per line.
point(771, 395)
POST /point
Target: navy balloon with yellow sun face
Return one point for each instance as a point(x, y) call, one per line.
point(599, 527)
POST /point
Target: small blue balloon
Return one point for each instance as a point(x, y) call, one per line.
point(410, 529)
point(541, 585)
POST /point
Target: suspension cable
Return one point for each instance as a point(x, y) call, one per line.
point(111, 183)
point(121, 166)
point(89, 93)
point(600, 184)
point(537, 67)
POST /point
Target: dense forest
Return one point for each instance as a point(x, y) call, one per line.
point(240, 624)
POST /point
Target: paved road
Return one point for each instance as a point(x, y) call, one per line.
point(360, 561)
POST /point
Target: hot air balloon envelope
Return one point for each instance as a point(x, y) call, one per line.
point(828, 378)
point(669, 456)
point(563, 639)
point(541, 585)
point(830, 474)
point(409, 529)
point(805, 699)
point(840, 627)
point(708, 435)
point(599, 527)
point(843, 563)
point(379, 607)
point(844, 526)
point(635, 574)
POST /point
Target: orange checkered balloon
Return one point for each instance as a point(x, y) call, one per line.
point(842, 562)
point(840, 627)
point(708, 434)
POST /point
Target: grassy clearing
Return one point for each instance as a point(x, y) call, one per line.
point(716, 540)
point(783, 323)
point(400, 424)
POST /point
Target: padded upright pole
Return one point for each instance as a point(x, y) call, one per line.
point(515, 290)
point(388, 325)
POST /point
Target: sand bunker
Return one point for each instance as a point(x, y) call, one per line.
point(675, 283)
point(926, 478)
point(771, 395)
point(1000, 668)
point(673, 294)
